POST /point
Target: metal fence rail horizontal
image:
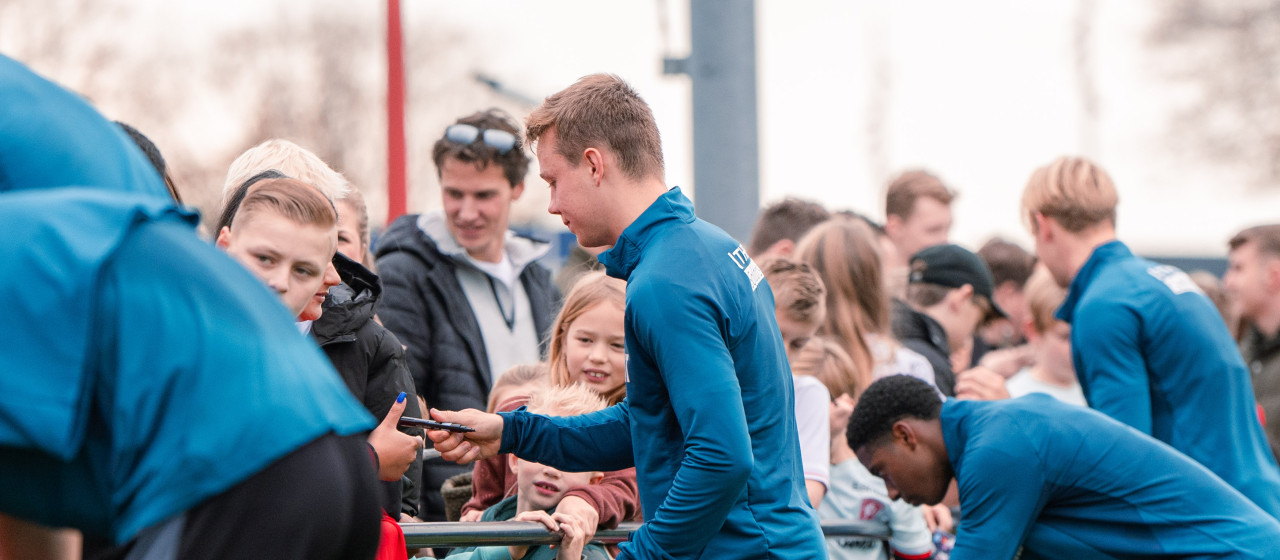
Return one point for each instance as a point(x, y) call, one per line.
point(451, 535)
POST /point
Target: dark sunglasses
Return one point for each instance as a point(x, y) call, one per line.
point(465, 134)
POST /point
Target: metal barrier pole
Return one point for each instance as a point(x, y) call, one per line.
point(502, 533)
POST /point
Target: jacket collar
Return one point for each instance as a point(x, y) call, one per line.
point(622, 259)
point(952, 415)
point(522, 250)
point(1106, 253)
point(1261, 345)
point(349, 305)
point(914, 324)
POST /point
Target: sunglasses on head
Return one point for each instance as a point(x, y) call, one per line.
point(465, 134)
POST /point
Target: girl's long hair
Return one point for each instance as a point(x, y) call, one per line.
point(843, 252)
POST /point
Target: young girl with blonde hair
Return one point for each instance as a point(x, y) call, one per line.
point(586, 347)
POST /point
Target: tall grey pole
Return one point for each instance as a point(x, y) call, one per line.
point(722, 67)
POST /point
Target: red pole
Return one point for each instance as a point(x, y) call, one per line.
point(396, 199)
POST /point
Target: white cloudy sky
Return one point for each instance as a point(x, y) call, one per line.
point(978, 92)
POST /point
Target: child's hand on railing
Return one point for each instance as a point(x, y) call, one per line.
point(573, 536)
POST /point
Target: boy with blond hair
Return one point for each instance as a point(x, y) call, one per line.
point(340, 315)
point(1149, 348)
point(800, 306)
point(539, 489)
point(292, 160)
point(1050, 339)
point(285, 232)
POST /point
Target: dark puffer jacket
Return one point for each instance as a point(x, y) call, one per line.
point(370, 359)
point(925, 336)
point(425, 306)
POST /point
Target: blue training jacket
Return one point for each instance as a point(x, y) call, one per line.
point(142, 370)
point(1152, 352)
point(133, 390)
point(50, 138)
point(709, 419)
point(1069, 483)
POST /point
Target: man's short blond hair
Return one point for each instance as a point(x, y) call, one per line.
point(603, 111)
point(294, 200)
point(1044, 297)
point(291, 159)
point(1074, 191)
point(905, 189)
point(565, 400)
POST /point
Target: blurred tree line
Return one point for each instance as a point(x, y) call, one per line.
point(205, 91)
point(1222, 60)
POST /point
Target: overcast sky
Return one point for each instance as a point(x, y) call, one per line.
point(852, 92)
point(978, 92)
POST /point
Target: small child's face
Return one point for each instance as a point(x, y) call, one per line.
point(794, 333)
point(1055, 350)
point(542, 487)
point(290, 258)
point(595, 348)
point(315, 307)
point(349, 242)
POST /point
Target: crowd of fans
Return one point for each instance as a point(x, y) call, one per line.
point(886, 326)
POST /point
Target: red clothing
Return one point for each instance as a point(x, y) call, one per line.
point(616, 498)
point(391, 540)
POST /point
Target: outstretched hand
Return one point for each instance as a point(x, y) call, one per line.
point(396, 450)
point(463, 448)
point(980, 384)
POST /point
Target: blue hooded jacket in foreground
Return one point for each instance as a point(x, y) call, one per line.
point(1152, 352)
point(134, 390)
point(50, 138)
point(709, 419)
point(1069, 483)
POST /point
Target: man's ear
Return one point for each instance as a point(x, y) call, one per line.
point(1042, 230)
point(596, 477)
point(224, 238)
point(594, 159)
point(512, 461)
point(956, 298)
point(517, 190)
point(905, 433)
point(893, 226)
point(1270, 272)
point(782, 248)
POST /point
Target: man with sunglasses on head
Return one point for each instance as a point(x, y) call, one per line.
point(461, 290)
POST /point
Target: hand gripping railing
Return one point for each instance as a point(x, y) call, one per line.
point(451, 535)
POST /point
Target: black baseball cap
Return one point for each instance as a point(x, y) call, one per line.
point(954, 266)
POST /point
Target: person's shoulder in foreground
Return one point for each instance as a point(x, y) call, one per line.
point(1056, 480)
point(110, 272)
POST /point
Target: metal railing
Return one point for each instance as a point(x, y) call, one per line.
point(456, 534)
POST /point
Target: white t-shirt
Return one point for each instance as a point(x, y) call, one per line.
point(1023, 383)
point(503, 270)
point(814, 427)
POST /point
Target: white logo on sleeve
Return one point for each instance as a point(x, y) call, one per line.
point(744, 262)
point(1176, 280)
